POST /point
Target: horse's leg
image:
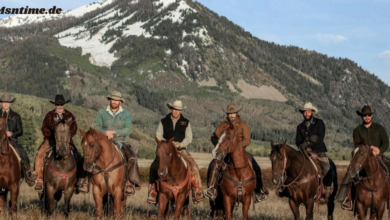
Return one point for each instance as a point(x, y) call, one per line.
point(118, 202)
point(309, 209)
point(168, 211)
point(228, 207)
point(98, 197)
point(179, 203)
point(162, 205)
point(14, 198)
point(67, 197)
point(294, 206)
point(50, 202)
point(3, 199)
point(186, 210)
point(245, 207)
point(381, 210)
point(361, 210)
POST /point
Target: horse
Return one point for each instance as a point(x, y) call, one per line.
point(175, 180)
point(10, 171)
point(107, 166)
point(59, 170)
point(370, 180)
point(238, 180)
point(294, 172)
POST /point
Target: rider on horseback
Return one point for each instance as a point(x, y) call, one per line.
point(376, 137)
point(310, 136)
point(115, 123)
point(232, 117)
point(175, 125)
point(48, 131)
point(15, 130)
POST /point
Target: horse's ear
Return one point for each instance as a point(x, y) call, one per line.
point(171, 140)
point(157, 140)
point(56, 120)
point(364, 141)
point(68, 121)
point(82, 133)
point(91, 130)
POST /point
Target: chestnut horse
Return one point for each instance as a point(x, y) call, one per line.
point(10, 171)
point(238, 181)
point(174, 184)
point(60, 170)
point(371, 182)
point(103, 160)
point(293, 171)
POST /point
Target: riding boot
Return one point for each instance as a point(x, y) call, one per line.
point(197, 188)
point(132, 170)
point(29, 175)
point(82, 178)
point(153, 177)
point(326, 176)
point(39, 162)
point(260, 191)
point(213, 176)
point(344, 193)
point(197, 192)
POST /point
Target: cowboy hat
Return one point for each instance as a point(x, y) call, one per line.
point(6, 97)
point(59, 100)
point(366, 110)
point(177, 104)
point(231, 108)
point(308, 106)
point(116, 96)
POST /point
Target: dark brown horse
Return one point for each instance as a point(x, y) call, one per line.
point(371, 182)
point(174, 184)
point(238, 181)
point(10, 173)
point(294, 172)
point(103, 160)
point(59, 170)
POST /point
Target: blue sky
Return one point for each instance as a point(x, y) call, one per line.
point(355, 29)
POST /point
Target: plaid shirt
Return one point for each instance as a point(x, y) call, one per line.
point(48, 125)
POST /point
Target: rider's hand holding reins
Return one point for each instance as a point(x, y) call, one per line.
point(375, 150)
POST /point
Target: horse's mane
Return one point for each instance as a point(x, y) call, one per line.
point(277, 148)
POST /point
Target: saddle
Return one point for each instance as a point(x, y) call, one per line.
point(12, 146)
point(314, 159)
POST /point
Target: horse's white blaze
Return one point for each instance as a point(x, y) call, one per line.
point(219, 141)
point(86, 143)
point(355, 151)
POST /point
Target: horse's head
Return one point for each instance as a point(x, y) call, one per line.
point(62, 136)
point(279, 162)
point(3, 127)
point(164, 152)
point(91, 148)
point(226, 144)
point(359, 159)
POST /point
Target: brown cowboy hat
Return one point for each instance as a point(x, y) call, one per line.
point(6, 97)
point(116, 96)
point(366, 110)
point(177, 104)
point(231, 108)
point(59, 100)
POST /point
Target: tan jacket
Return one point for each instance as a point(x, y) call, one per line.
point(240, 125)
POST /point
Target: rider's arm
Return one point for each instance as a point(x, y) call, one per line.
point(126, 130)
point(98, 124)
point(73, 126)
point(46, 131)
point(188, 136)
point(19, 128)
point(384, 139)
point(246, 135)
point(160, 132)
point(298, 138)
point(217, 134)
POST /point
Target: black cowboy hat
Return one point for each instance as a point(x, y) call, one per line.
point(59, 100)
point(366, 110)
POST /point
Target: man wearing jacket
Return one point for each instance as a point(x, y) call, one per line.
point(15, 130)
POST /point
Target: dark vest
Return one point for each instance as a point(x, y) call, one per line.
point(180, 129)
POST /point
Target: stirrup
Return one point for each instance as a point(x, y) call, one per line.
point(347, 205)
point(197, 196)
point(211, 197)
point(152, 197)
point(129, 189)
point(39, 183)
point(260, 196)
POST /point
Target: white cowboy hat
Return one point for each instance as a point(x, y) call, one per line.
point(177, 104)
point(308, 106)
point(116, 96)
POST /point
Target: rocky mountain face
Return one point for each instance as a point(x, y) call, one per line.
point(156, 51)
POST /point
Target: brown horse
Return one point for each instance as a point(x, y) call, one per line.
point(10, 173)
point(294, 172)
point(59, 171)
point(371, 182)
point(103, 160)
point(174, 184)
point(238, 181)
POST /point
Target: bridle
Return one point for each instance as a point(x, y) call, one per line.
point(283, 174)
point(226, 151)
point(169, 154)
point(360, 168)
point(95, 145)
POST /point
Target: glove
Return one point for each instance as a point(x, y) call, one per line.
point(303, 146)
point(177, 145)
point(314, 138)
